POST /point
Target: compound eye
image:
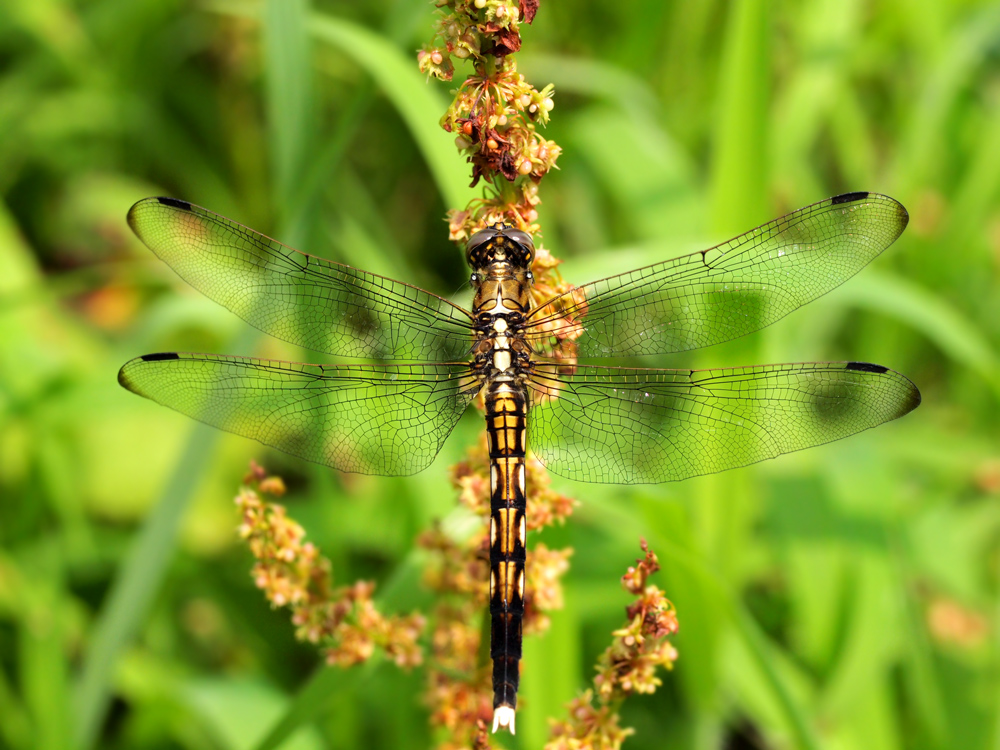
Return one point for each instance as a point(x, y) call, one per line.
point(474, 279)
point(479, 238)
point(521, 238)
point(531, 277)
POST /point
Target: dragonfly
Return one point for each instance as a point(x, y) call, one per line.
point(428, 359)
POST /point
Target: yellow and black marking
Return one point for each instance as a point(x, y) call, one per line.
point(505, 423)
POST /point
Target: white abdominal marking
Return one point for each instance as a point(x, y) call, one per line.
point(503, 716)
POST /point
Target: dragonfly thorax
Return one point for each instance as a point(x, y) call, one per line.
point(501, 291)
point(501, 350)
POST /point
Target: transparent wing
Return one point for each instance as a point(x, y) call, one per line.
point(622, 426)
point(300, 298)
point(389, 420)
point(729, 290)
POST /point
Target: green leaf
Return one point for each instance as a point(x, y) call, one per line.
point(238, 712)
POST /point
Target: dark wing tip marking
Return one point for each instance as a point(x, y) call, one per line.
point(174, 203)
point(904, 217)
point(910, 402)
point(913, 397)
point(848, 198)
point(139, 207)
point(862, 366)
point(125, 379)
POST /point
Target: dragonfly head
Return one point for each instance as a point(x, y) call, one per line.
point(500, 243)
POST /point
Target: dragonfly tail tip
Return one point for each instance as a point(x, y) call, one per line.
point(503, 716)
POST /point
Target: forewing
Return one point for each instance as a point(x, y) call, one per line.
point(300, 298)
point(729, 290)
point(622, 426)
point(389, 420)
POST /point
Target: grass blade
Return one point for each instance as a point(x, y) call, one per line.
point(136, 585)
point(739, 169)
point(288, 92)
point(419, 105)
point(929, 314)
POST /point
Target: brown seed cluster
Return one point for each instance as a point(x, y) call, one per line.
point(495, 113)
point(627, 667)
point(292, 573)
point(588, 727)
point(494, 118)
point(474, 29)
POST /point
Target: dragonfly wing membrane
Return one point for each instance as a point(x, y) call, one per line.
point(371, 419)
point(729, 290)
point(303, 299)
point(631, 426)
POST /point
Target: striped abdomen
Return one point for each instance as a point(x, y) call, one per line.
point(506, 409)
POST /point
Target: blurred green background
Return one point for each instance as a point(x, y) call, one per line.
point(843, 597)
